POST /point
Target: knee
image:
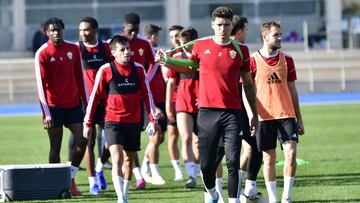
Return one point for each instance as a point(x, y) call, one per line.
point(269, 158)
point(290, 155)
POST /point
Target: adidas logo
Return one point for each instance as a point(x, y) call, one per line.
point(273, 78)
point(207, 51)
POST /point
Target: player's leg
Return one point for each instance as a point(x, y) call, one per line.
point(232, 126)
point(115, 140)
point(208, 123)
point(289, 138)
point(94, 188)
point(173, 135)
point(185, 126)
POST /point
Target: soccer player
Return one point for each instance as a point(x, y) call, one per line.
point(158, 90)
point(250, 161)
point(124, 84)
point(141, 52)
point(279, 112)
point(186, 109)
point(171, 88)
point(60, 86)
point(221, 63)
point(94, 53)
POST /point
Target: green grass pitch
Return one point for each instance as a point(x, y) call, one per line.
point(331, 145)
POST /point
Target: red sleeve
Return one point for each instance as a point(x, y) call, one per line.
point(291, 68)
point(246, 58)
point(252, 67)
point(194, 53)
point(171, 73)
point(100, 85)
point(40, 80)
point(150, 57)
point(146, 94)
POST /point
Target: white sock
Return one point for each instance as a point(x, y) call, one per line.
point(126, 187)
point(288, 184)
point(233, 200)
point(176, 165)
point(137, 173)
point(92, 181)
point(190, 169)
point(271, 190)
point(154, 168)
point(118, 182)
point(73, 171)
point(250, 187)
point(99, 166)
point(212, 192)
point(218, 186)
point(239, 184)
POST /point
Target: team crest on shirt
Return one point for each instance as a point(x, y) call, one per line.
point(141, 52)
point(232, 54)
point(69, 55)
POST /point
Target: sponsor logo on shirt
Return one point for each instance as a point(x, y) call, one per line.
point(126, 83)
point(94, 59)
point(219, 54)
point(273, 78)
point(232, 54)
point(207, 51)
point(69, 55)
point(52, 59)
point(141, 52)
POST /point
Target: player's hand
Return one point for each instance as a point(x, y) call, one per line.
point(300, 126)
point(151, 129)
point(254, 125)
point(48, 123)
point(159, 113)
point(87, 131)
point(160, 57)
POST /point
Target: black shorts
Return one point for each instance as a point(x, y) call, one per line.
point(145, 117)
point(245, 132)
point(61, 116)
point(100, 113)
point(282, 129)
point(125, 134)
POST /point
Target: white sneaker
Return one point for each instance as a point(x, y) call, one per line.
point(157, 180)
point(147, 177)
point(286, 200)
point(178, 178)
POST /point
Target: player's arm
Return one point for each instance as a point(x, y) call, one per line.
point(249, 90)
point(40, 81)
point(160, 59)
point(295, 101)
point(170, 88)
point(96, 94)
point(148, 99)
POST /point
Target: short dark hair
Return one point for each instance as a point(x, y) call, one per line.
point(176, 27)
point(266, 25)
point(53, 21)
point(92, 21)
point(222, 12)
point(189, 32)
point(117, 39)
point(239, 23)
point(151, 29)
point(132, 18)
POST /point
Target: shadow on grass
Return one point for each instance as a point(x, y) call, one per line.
point(328, 180)
point(330, 200)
